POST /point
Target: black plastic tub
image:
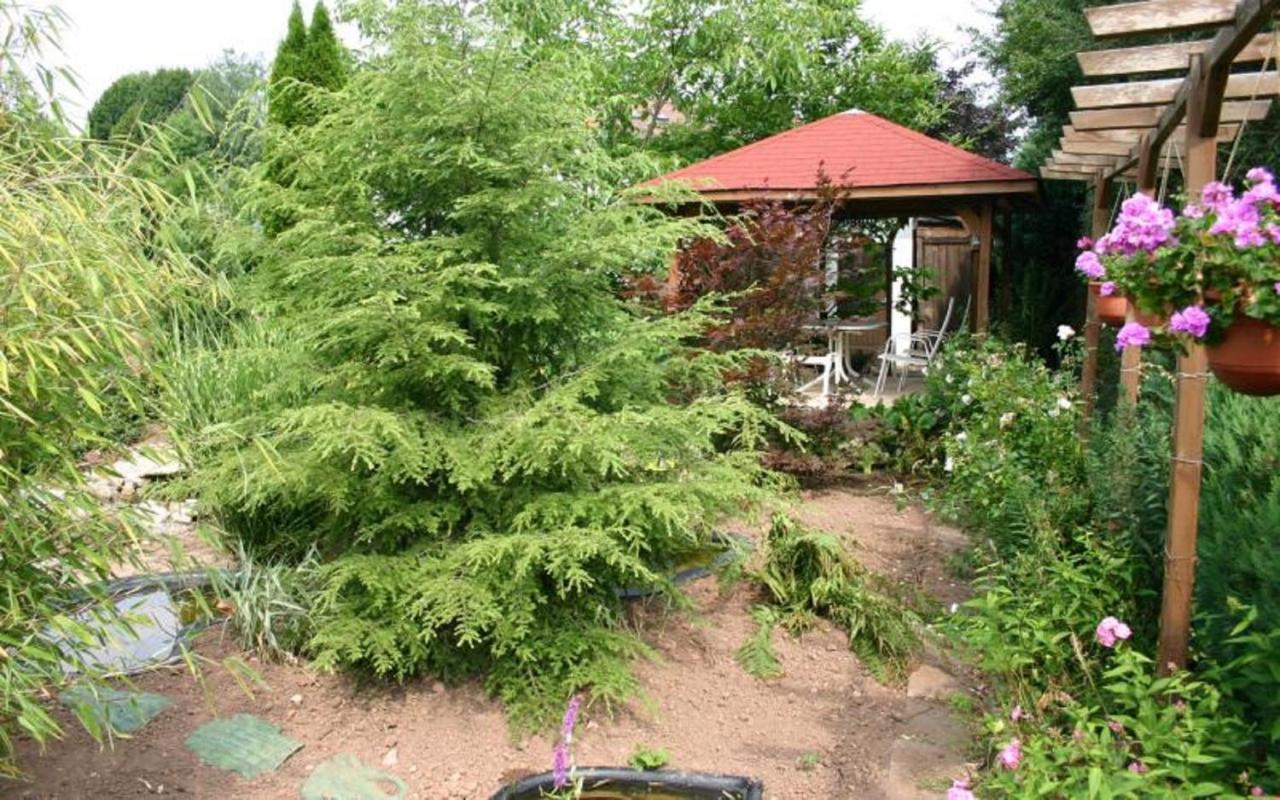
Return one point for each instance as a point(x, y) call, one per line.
point(605, 783)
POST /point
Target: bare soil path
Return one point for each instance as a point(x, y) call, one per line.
point(826, 729)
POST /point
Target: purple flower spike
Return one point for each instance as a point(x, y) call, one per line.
point(1133, 334)
point(560, 766)
point(1192, 320)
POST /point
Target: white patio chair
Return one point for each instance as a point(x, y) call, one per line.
point(917, 351)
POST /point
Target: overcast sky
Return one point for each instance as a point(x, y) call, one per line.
point(109, 38)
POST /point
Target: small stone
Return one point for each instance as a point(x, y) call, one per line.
point(391, 758)
point(437, 688)
point(128, 490)
point(296, 699)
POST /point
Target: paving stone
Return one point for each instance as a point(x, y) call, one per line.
point(124, 712)
point(920, 770)
point(345, 777)
point(931, 682)
point(244, 744)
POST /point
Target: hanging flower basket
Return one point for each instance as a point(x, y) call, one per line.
point(1209, 275)
point(1111, 308)
point(1248, 357)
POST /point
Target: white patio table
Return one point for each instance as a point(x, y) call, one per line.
point(837, 330)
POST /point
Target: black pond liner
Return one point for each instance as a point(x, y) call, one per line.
point(732, 543)
point(628, 783)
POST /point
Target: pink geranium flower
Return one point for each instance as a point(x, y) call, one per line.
point(1016, 714)
point(1137, 767)
point(1107, 289)
point(959, 791)
point(1111, 630)
point(1133, 334)
point(1089, 265)
point(1192, 319)
point(1011, 756)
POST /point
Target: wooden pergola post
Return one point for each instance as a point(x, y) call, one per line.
point(1131, 358)
point(1102, 191)
point(1203, 104)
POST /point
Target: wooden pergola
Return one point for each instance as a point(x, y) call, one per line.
point(1118, 134)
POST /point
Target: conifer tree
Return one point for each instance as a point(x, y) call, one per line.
point(324, 64)
point(283, 96)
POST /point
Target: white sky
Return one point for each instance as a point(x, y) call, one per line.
point(110, 38)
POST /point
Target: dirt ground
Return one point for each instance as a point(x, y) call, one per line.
point(824, 730)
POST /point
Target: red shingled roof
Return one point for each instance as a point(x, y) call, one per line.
point(855, 148)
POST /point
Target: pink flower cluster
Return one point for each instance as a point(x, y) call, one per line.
point(1241, 217)
point(1089, 265)
point(959, 791)
point(1133, 334)
point(1110, 631)
point(1011, 756)
point(1192, 319)
point(1142, 227)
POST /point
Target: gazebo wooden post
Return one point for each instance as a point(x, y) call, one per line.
point(1203, 104)
point(982, 304)
point(1092, 328)
point(1131, 358)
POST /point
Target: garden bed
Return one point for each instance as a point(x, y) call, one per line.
point(826, 729)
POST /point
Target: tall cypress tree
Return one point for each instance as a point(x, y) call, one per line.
point(284, 101)
point(325, 65)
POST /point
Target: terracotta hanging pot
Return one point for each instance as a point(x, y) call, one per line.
point(1248, 357)
point(1111, 310)
point(1149, 320)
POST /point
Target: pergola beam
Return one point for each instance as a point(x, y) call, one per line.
point(1129, 136)
point(1163, 91)
point(1148, 117)
point(1165, 57)
point(1159, 16)
point(1246, 22)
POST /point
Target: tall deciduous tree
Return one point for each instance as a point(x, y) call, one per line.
point(740, 70)
point(138, 98)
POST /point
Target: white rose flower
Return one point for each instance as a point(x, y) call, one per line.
point(1065, 332)
point(949, 465)
point(966, 399)
point(961, 436)
point(1064, 404)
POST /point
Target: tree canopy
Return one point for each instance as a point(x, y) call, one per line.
point(138, 98)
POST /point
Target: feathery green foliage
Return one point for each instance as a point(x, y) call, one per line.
point(809, 574)
point(445, 396)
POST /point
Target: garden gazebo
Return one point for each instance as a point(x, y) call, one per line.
point(881, 169)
